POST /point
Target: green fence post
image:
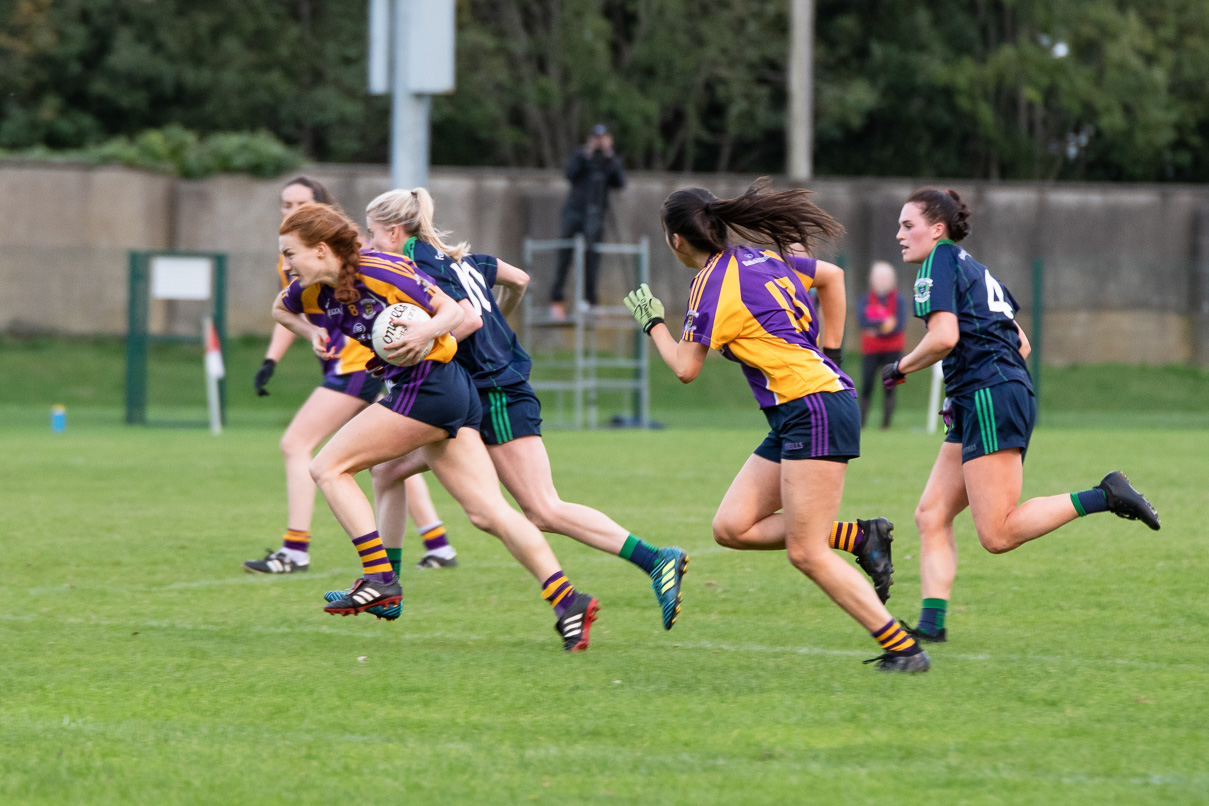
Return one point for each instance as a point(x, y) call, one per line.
point(220, 326)
point(136, 342)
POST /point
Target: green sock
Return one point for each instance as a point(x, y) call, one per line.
point(641, 553)
point(932, 616)
point(395, 556)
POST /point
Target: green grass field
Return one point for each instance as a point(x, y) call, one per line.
point(142, 665)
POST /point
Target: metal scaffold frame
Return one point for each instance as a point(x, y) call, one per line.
point(585, 383)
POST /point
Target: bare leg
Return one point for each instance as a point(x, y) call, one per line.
point(944, 497)
point(524, 468)
point(748, 518)
point(323, 413)
point(811, 491)
point(372, 437)
point(993, 484)
point(419, 502)
point(464, 468)
point(393, 495)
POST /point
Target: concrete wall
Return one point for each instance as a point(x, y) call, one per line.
point(1126, 266)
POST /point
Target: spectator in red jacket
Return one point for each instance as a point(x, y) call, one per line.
point(882, 318)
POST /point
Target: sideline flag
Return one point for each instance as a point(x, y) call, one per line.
point(215, 371)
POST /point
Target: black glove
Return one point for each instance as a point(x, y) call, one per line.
point(262, 377)
point(836, 354)
point(891, 377)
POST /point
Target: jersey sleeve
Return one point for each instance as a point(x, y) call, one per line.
point(488, 267)
point(709, 319)
point(297, 299)
point(936, 283)
point(397, 282)
point(805, 267)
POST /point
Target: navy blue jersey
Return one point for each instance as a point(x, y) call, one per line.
point(988, 347)
point(491, 354)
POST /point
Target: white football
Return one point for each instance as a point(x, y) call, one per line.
point(387, 333)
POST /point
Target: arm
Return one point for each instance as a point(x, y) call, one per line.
point(1026, 348)
point(446, 316)
point(616, 174)
point(470, 324)
point(299, 325)
point(833, 303)
point(938, 342)
point(279, 343)
point(684, 358)
point(577, 165)
point(510, 286)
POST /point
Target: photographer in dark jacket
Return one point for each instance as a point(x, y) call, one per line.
point(593, 170)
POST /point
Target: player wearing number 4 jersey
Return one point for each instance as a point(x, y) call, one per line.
point(971, 321)
point(402, 221)
point(752, 305)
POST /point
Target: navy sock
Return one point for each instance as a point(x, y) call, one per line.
point(642, 554)
point(932, 616)
point(1090, 501)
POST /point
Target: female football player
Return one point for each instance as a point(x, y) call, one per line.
point(401, 221)
point(752, 305)
point(971, 319)
point(345, 391)
point(432, 407)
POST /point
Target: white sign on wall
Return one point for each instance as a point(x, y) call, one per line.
point(180, 277)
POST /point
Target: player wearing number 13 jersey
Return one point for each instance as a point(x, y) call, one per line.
point(971, 321)
point(751, 305)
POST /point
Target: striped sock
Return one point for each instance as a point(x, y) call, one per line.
point(932, 616)
point(1090, 501)
point(434, 536)
point(558, 592)
point(373, 558)
point(893, 638)
point(641, 553)
point(846, 536)
point(296, 540)
point(395, 558)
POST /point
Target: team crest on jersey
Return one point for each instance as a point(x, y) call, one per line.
point(923, 289)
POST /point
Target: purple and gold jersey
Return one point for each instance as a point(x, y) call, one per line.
point(382, 280)
point(751, 306)
point(350, 356)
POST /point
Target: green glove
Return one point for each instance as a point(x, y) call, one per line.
point(646, 309)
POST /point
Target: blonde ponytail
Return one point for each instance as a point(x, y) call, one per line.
point(413, 210)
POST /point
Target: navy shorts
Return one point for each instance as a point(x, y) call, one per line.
point(993, 419)
point(825, 425)
point(509, 412)
point(438, 394)
point(356, 384)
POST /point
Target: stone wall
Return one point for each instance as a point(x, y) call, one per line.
point(1125, 265)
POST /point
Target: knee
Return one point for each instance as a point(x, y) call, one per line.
point(543, 515)
point(725, 533)
point(322, 471)
point(930, 520)
point(291, 446)
point(805, 559)
point(996, 541)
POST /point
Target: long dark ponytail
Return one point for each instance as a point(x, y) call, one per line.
point(778, 218)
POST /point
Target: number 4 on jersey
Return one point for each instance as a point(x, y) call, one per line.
point(995, 299)
point(475, 284)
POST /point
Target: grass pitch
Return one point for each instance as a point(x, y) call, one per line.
point(142, 665)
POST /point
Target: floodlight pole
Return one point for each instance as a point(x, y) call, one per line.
point(801, 89)
point(408, 110)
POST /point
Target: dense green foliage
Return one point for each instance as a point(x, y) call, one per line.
point(1095, 89)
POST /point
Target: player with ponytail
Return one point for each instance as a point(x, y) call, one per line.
point(431, 407)
point(751, 304)
point(346, 389)
point(402, 221)
point(989, 412)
